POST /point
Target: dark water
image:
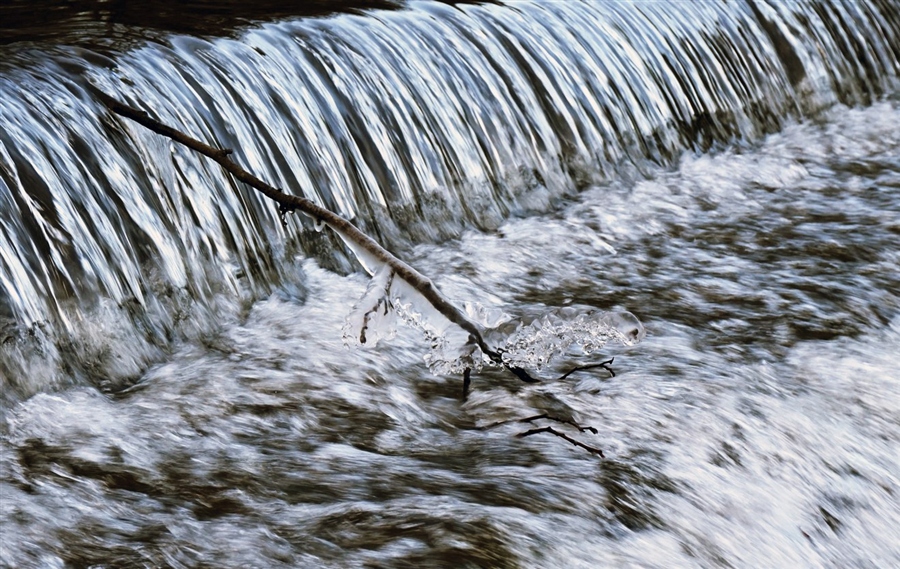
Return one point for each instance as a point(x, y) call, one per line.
point(178, 400)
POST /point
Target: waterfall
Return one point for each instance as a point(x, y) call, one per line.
point(416, 124)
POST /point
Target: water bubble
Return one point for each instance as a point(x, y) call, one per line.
point(627, 327)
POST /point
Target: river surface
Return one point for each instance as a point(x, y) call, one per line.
point(175, 390)
point(757, 425)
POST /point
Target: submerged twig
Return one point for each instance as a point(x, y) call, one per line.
point(551, 430)
point(605, 365)
point(558, 420)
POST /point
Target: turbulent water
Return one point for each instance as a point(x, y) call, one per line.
point(756, 425)
point(176, 389)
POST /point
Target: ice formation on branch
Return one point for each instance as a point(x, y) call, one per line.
point(552, 334)
point(519, 344)
point(461, 341)
point(373, 317)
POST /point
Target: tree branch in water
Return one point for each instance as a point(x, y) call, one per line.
point(605, 365)
point(551, 430)
point(288, 203)
point(558, 420)
point(391, 266)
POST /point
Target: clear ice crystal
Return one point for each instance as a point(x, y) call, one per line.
point(533, 345)
point(373, 318)
point(526, 345)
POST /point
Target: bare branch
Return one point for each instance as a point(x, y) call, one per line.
point(558, 420)
point(288, 203)
point(590, 449)
point(551, 430)
point(605, 365)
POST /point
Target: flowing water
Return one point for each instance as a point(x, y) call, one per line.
point(175, 387)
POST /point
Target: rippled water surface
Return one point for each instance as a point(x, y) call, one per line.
point(757, 425)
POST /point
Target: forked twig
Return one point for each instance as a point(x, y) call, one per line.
point(559, 420)
point(605, 365)
point(549, 417)
point(590, 449)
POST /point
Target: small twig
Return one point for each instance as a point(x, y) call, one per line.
point(559, 420)
point(289, 202)
point(521, 374)
point(385, 301)
point(590, 449)
point(605, 365)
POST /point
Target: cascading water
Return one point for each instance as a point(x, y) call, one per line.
point(415, 124)
point(173, 383)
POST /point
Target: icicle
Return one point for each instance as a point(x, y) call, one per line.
point(373, 318)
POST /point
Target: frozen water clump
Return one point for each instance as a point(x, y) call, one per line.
point(625, 326)
point(522, 345)
point(373, 318)
point(535, 344)
point(510, 341)
point(487, 318)
point(465, 340)
point(451, 350)
point(397, 289)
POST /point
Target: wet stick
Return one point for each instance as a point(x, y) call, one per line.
point(356, 239)
point(386, 270)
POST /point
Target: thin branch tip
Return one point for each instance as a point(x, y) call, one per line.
point(604, 365)
point(551, 430)
point(560, 420)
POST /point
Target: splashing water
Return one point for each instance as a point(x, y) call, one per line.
point(756, 426)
